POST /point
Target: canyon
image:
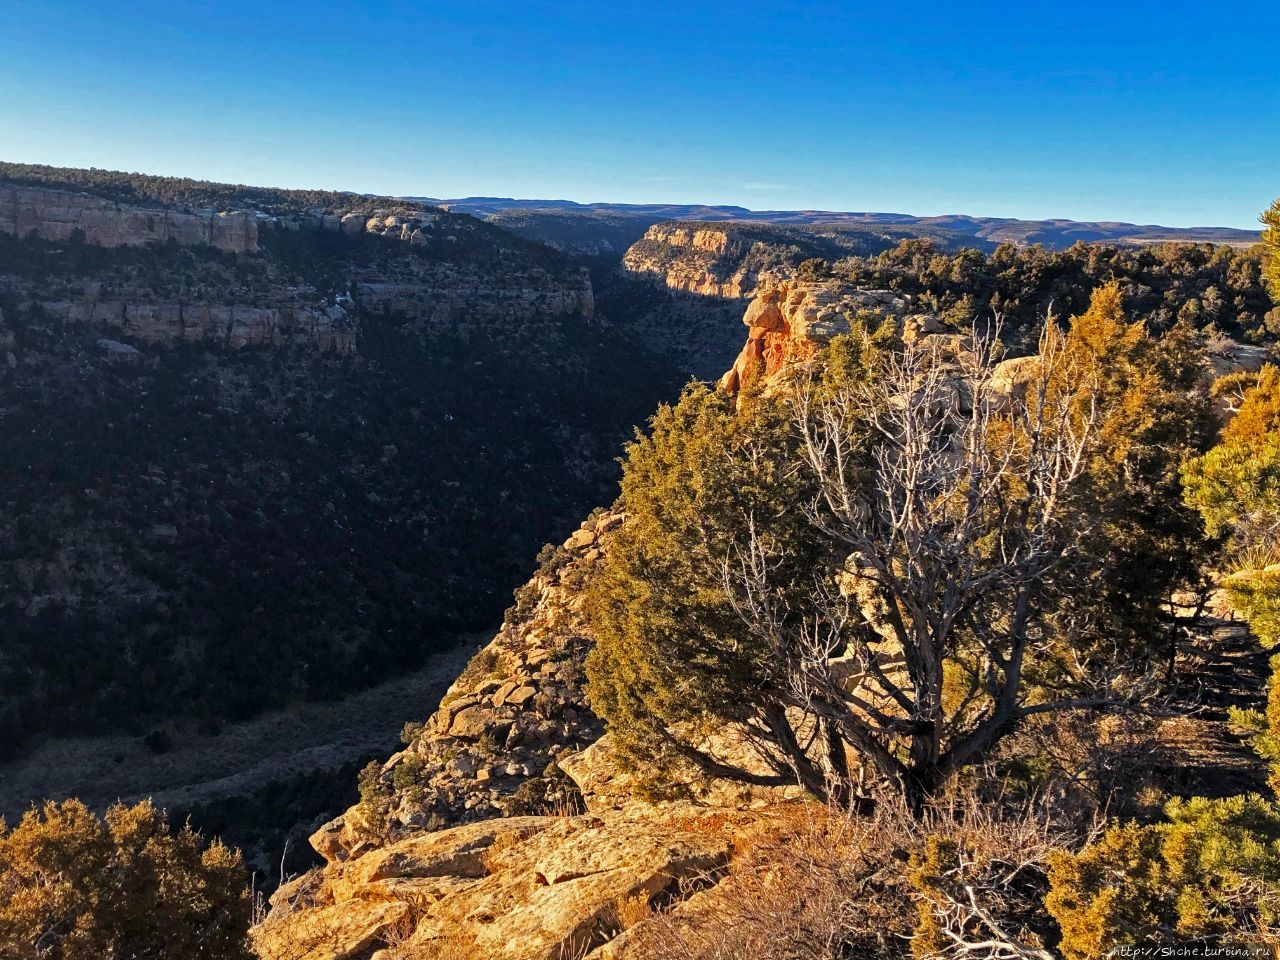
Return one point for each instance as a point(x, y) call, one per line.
point(283, 455)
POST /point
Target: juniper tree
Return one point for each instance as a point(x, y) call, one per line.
point(874, 567)
point(77, 887)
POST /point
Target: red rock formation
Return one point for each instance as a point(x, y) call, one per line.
point(791, 320)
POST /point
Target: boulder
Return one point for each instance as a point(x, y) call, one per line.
point(470, 723)
point(339, 931)
point(1010, 378)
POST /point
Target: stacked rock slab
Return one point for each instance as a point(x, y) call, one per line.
point(521, 888)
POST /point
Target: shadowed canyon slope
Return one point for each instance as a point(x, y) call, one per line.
point(270, 446)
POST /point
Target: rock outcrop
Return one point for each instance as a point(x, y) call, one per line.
point(691, 260)
point(491, 749)
point(505, 828)
point(791, 320)
point(447, 296)
point(736, 260)
point(522, 888)
point(58, 214)
point(235, 325)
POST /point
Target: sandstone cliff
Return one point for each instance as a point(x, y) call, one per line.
point(234, 325)
point(440, 271)
point(692, 259)
point(734, 260)
point(57, 214)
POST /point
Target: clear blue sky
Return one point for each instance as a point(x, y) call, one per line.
point(1150, 112)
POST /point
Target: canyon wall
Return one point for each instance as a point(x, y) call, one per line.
point(698, 260)
point(234, 325)
point(57, 214)
point(434, 280)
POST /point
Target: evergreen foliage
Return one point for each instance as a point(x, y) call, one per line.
point(1210, 873)
point(76, 887)
point(1138, 541)
point(1271, 244)
point(1202, 285)
point(719, 604)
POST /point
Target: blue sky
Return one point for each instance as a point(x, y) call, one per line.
point(1155, 113)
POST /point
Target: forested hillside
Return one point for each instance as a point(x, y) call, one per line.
point(239, 480)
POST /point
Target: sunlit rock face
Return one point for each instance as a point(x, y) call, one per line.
point(791, 320)
point(57, 214)
point(691, 260)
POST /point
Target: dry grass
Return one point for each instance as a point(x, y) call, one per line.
point(458, 946)
point(817, 884)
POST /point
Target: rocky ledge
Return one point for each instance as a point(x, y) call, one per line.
point(493, 746)
point(328, 328)
point(504, 829)
point(521, 888)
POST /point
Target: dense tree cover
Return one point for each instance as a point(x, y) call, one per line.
point(332, 521)
point(1211, 872)
point(1236, 489)
point(149, 190)
point(1140, 539)
point(76, 887)
point(204, 532)
point(1201, 284)
point(592, 234)
point(953, 555)
point(1236, 485)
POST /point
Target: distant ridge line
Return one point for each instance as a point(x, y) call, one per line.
point(987, 231)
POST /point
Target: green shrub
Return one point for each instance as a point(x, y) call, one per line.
point(1211, 873)
point(76, 887)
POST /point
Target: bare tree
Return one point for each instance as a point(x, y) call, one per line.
point(950, 496)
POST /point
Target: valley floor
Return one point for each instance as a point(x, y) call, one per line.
point(277, 746)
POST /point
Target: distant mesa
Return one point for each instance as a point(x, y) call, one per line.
point(957, 229)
